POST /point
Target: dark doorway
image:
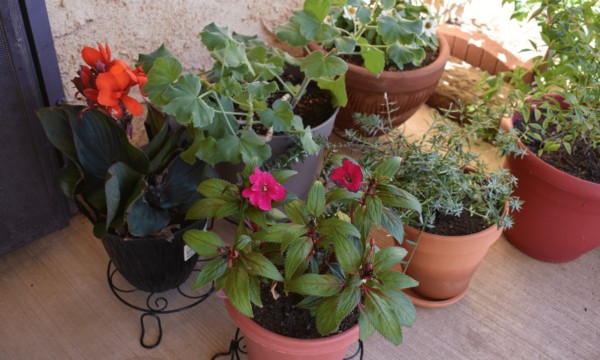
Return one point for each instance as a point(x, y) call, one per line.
point(31, 204)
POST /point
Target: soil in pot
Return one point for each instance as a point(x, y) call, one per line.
point(583, 162)
point(450, 225)
point(282, 317)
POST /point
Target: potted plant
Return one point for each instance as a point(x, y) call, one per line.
point(391, 47)
point(256, 103)
point(312, 271)
point(465, 206)
point(553, 136)
point(136, 197)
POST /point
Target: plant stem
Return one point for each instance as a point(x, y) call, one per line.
point(298, 96)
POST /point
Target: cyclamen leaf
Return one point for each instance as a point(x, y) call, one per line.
point(160, 78)
point(203, 242)
point(258, 264)
point(185, 104)
point(279, 116)
point(316, 199)
point(374, 58)
point(315, 284)
point(210, 271)
point(317, 66)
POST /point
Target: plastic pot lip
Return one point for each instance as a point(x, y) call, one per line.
point(552, 175)
point(282, 343)
point(492, 229)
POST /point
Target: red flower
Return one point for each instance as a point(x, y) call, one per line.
point(113, 87)
point(97, 59)
point(349, 175)
point(263, 190)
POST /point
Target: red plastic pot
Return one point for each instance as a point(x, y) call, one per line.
point(444, 265)
point(560, 219)
point(262, 344)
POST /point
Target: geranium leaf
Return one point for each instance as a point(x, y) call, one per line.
point(185, 104)
point(279, 116)
point(402, 55)
point(164, 72)
point(318, 8)
point(210, 271)
point(290, 33)
point(317, 66)
point(315, 284)
point(388, 4)
point(203, 242)
point(253, 148)
point(262, 89)
point(345, 45)
point(374, 59)
point(258, 264)
point(310, 25)
point(215, 37)
point(146, 61)
point(337, 88)
point(308, 143)
point(363, 14)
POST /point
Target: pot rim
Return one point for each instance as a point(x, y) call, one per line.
point(281, 343)
point(551, 174)
point(485, 232)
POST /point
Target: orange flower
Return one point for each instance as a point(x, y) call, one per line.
point(141, 78)
point(97, 59)
point(113, 87)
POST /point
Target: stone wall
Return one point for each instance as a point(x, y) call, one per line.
point(131, 27)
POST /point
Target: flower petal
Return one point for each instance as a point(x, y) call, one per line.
point(132, 105)
point(90, 56)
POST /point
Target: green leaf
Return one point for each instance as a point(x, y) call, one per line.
point(363, 14)
point(337, 227)
point(262, 89)
point(69, 179)
point(318, 8)
point(316, 199)
point(388, 4)
point(203, 242)
point(57, 127)
point(144, 219)
point(296, 211)
point(388, 257)
point(178, 185)
point(364, 325)
point(282, 175)
point(146, 61)
point(290, 33)
point(214, 187)
point(229, 87)
point(393, 196)
point(389, 168)
point(185, 103)
point(279, 233)
point(402, 55)
point(164, 72)
point(394, 30)
point(279, 116)
point(345, 44)
point(383, 318)
point(258, 264)
point(395, 280)
point(237, 289)
point(215, 37)
point(254, 291)
point(339, 193)
point(206, 208)
point(326, 320)
point(347, 254)
point(210, 271)
point(158, 131)
point(297, 254)
point(315, 284)
point(309, 25)
point(123, 186)
point(347, 302)
point(308, 143)
point(374, 209)
point(337, 88)
point(317, 66)
point(393, 224)
point(374, 58)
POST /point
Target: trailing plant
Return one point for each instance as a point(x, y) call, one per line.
point(121, 188)
point(245, 90)
point(320, 248)
point(441, 171)
point(384, 33)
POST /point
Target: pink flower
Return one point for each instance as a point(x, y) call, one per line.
point(263, 190)
point(349, 175)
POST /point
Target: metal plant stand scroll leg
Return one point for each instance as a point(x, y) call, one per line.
point(155, 303)
point(237, 347)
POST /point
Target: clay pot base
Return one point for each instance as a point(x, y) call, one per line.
point(421, 301)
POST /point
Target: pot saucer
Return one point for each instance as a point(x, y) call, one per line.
point(421, 301)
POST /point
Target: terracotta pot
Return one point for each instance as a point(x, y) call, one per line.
point(407, 90)
point(560, 217)
point(263, 344)
point(152, 264)
point(300, 183)
point(444, 265)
